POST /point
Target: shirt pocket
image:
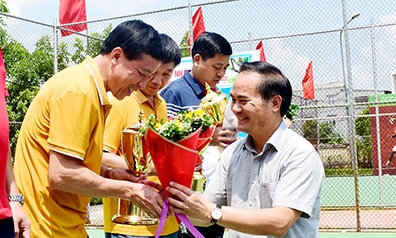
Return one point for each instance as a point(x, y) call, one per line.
point(267, 194)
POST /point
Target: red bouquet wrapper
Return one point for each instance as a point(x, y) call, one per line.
point(205, 137)
point(174, 161)
point(203, 140)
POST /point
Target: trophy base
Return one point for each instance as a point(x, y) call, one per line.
point(134, 220)
point(198, 182)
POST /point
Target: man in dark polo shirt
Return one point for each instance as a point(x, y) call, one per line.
point(210, 54)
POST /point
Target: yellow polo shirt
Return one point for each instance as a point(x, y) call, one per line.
point(66, 116)
point(123, 114)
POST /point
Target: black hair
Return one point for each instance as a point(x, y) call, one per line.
point(210, 43)
point(274, 82)
point(134, 37)
point(172, 50)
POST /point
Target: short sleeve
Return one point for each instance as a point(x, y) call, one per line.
point(113, 128)
point(73, 119)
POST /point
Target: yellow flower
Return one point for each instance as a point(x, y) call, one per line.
point(182, 125)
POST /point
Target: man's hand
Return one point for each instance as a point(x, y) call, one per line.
point(124, 174)
point(148, 199)
point(152, 171)
point(223, 137)
point(21, 221)
point(226, 137)
point(186, 201)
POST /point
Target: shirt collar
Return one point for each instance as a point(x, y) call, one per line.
point(275, 141)
point(99, 83)
point(198, 89)
point(139, 96)
point(142, 99)
point(98, 80)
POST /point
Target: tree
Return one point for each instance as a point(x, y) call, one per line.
point(26, 72)
point(91, 48)
point(363, 140)
point(184, 49)
point(3, 9)
point(94, 44)
point(327, 133)
point(17, 62)
point(310, 131)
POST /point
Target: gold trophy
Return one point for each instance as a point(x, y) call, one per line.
point(138, 161)
point(214, 103)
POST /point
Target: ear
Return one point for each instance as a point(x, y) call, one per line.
point(196, 59)
point(116, 54)
point(276, 102)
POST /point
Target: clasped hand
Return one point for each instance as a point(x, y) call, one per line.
point(147, 194)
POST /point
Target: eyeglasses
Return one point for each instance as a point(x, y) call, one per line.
point(143, 73)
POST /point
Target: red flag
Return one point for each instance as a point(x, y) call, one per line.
point(3, 74)
point(71, 11)
point(260, 47)
point(308, 83)
point(198, 25)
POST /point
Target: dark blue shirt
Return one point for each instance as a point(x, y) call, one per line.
point(183, 94)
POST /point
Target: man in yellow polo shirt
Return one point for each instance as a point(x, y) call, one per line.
point(126, 113)
point(59, 150)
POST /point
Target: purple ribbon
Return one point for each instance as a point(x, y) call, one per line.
point(183, 218)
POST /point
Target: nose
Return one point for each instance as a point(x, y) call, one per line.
point(220, 73)
point(142, 83)
point(235, 107)
point(156, 79)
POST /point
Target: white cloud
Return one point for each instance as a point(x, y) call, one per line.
point(390, 30)
point(288, 61)
point(17, 7)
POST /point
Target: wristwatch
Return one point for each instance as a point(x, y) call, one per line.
point(16, 198)
point(216, 214)
point(107, 172)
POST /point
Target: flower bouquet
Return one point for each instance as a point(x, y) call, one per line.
point(174, 144)
point(173, 147)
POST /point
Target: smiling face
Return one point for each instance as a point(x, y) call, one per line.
point(255, 116)
point(159, 79)
point(211, 70)
point(127, 76)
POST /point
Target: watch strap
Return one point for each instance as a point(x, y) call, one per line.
point(16, 198)
point(107, 172)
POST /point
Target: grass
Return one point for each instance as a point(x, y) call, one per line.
point(348, 172)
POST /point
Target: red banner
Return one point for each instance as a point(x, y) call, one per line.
point(308, 83)
point(71, 11)
point(198, 25)
point(260, 47)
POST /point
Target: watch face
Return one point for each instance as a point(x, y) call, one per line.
point(216, 214)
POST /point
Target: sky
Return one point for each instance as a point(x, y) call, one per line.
point(284, 17)
point(96, 9)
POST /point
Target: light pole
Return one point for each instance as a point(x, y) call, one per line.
point(349, 96)
point(342, 54)
point(190, 23)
